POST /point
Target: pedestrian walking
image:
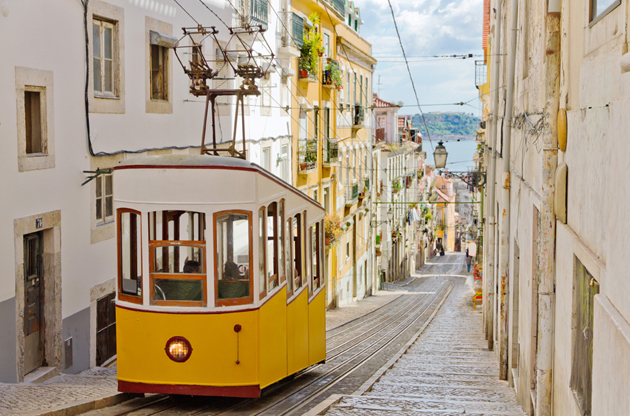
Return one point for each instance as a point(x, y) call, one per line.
point(468, 262)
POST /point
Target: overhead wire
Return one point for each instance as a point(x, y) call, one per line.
point(410, 76)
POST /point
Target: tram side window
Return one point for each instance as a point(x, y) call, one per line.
point(306, 262)
point(272, 246)
point(315, 249)
point(297, 251)
point(288, 233)
point(320, 254)
point(262, 257)
point(309, 258)
point(177, 258)
point(280, 239)
point(130, 256)
point(232, 258)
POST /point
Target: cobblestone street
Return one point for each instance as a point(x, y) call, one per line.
point(447, 371)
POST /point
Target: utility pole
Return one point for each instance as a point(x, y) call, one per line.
point(546, 248)
point(504, 269)
point(488, 281)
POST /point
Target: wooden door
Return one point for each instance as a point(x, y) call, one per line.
point(33, 302)
point(105, 329)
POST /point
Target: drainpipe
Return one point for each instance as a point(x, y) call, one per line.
point(489, 269)
point(546, 255)
point(505, 213)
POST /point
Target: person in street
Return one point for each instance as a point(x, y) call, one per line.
point(468, 262)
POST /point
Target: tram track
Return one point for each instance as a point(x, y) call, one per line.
point(349, 352)
point(307, 393)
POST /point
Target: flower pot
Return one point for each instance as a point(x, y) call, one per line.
point(328, 240)
point(303, 74)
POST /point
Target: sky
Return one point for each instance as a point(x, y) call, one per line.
point(427, 28)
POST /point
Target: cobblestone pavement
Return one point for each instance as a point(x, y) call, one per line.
point(447, 371)
point(59, 391)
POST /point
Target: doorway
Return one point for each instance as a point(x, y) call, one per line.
point(33, 302)
point(105, 329)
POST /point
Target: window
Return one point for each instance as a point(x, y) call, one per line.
point(265, 90)
point(600, 8)
point(285, 163)
point(280, 238)
point(272, 246)
point(104, 199)
point(33, 109)
point(326, 45)
point(129, 256)
point(354, 89)
point(159, 74)
point(297, 251)
point(266, 159)
point(354, 164)
point(177, 260)
point(306, 262)
point(584, 290)
point(348, 87)
point(262, 257)
point(361, 89)
point(103, 57)
point(288, 256)
point(316, 248)
point(233, 246)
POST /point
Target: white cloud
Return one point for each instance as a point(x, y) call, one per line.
point(427, 28)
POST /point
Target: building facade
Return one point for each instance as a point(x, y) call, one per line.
point(556, 304)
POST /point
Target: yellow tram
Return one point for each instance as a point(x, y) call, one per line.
point(220, 277)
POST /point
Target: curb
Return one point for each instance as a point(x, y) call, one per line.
point(75, 408)
point(332, 400)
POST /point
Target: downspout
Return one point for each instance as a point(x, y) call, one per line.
point(546, 255)
point(489, 269)
point(505, 205)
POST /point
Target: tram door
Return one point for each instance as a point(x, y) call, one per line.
point(33, 302)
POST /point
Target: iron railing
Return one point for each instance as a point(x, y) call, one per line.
point(481, 73)
point(307, 154)
point(332, 153)
point(258, 12)
point(339, 6)
point(352, 194)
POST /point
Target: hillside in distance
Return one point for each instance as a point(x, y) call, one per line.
point(448, 124)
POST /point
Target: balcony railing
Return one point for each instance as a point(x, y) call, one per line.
point(331, 153)
point(292, 30)
point(339, 6)
point(258, 10)
point(352, 194)
point(307, 155)
point(481, 73)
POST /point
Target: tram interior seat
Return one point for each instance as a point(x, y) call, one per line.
point(233, 289)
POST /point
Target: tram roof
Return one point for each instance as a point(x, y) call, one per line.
point(188, 160)
point(204, 161)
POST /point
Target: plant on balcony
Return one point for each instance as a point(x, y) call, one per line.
point(332, 75)
point(311, 50)
point(332, 228)
point(396, 187)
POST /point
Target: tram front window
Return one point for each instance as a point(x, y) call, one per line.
point(177, 258)
point(233, 251)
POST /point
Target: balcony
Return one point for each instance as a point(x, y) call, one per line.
point(292, 37)
point(339, 7)
point(358, 117)
point(331, 154)
point(352, 195)
point(307, 155)
point(258, 10)
point(366, 188)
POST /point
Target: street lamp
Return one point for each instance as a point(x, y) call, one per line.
point(472, 178)
point(439, 155)
point(390, 218)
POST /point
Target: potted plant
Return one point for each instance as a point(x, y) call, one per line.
point(305, 60)
point(332, 228)
point(332, 75)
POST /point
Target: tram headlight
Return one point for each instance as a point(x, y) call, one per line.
point(178, 349)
